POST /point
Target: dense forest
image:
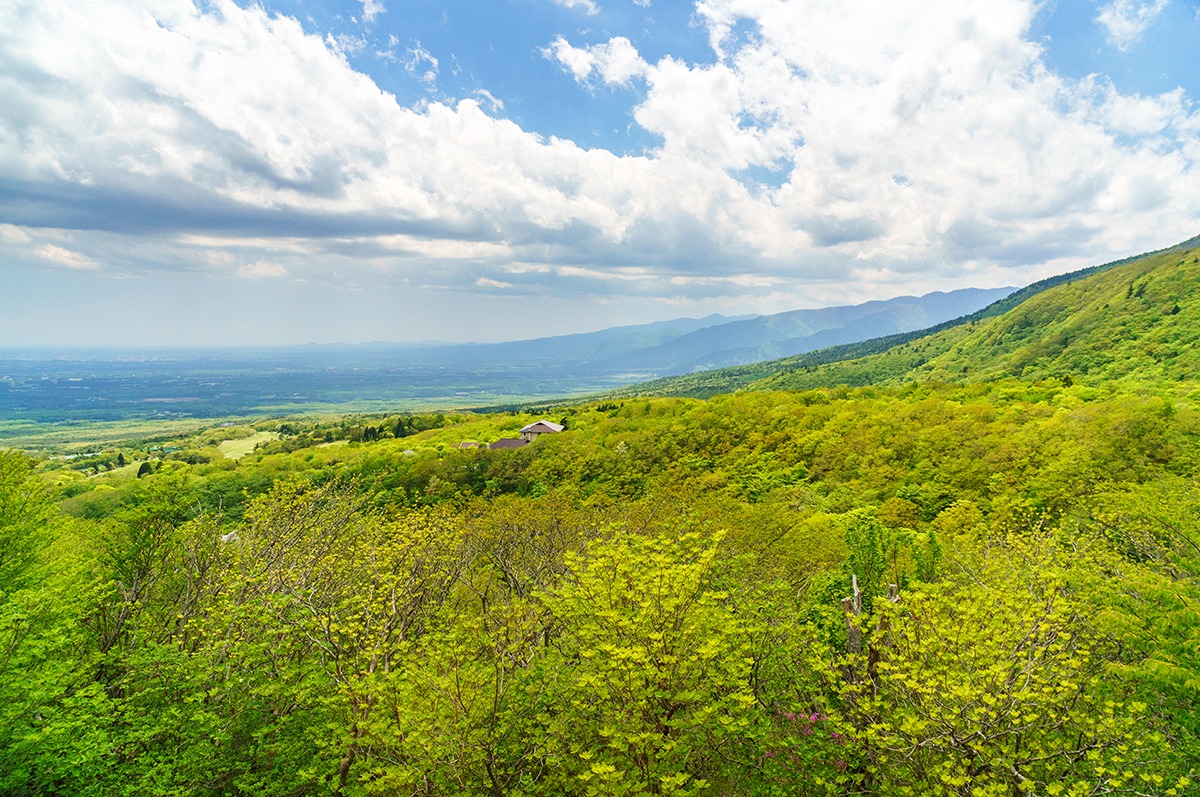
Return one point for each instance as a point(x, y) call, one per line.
point(965, 565)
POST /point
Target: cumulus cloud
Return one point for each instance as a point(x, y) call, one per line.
point(1136, 115)
point(992, 147)
point(824, 151)
point(615, 62)
point(1126, 20)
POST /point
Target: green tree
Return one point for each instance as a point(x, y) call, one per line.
point(657, 695)
point(996, 685)
point(54, 720)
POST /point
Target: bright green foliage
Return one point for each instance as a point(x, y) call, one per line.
point(465, 712)
point(995, 685)
point(1150, 594)
point(879, 556)
point(53, 735)
point(325, 595)
point(25, 514)
point(657, 668)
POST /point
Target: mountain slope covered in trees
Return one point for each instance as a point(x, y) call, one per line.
point(1112, 321)
point(782, 334)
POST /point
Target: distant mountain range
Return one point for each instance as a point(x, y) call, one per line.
point(689, 344)
point(39, 386)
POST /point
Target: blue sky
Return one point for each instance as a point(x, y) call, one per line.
point(215, 173)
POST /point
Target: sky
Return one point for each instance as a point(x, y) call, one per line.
point(211, 172)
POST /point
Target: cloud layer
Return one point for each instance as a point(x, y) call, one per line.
point(826, 152)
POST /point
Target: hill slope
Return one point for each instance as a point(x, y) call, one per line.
point(1136, 318)
point(785, 334)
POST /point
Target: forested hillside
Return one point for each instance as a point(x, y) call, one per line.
point(1118, 320)
point(660, 599)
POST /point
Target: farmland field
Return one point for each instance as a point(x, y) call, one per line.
point(65, 400)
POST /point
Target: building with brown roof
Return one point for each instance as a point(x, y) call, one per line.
point(508, 442)
point(531, 432)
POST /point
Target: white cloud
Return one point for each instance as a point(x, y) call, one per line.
point(66, 257)
point(1127, 20)
point(578, 61)
point(1135, 115)
point(345, 44)
point(372, 9)
point(261, 269)
point(589, 6)
point(620, 274)
point(616, 61)
point(421, 64)
point(493, 103)
point(218, 258)
point(12, 234)
point(741, 280)
point(913, 131)
point(526, 268)
point(484, 282)
point(914, 142)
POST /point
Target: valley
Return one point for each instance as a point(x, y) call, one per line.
point(47, 394)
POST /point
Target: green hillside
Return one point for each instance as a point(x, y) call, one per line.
point(1139, 321)
point(1133, 319)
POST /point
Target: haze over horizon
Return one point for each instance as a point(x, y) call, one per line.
point(293, 171)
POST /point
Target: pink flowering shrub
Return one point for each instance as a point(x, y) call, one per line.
point(807, 753)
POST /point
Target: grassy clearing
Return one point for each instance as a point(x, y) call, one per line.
point(69, 437)
point(236, 449)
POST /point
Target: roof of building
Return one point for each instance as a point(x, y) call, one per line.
point(509, 442)
point(543, 426)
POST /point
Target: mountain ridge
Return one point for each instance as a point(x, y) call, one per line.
point(796, 331)
point(900, 357)
point(683, 345)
